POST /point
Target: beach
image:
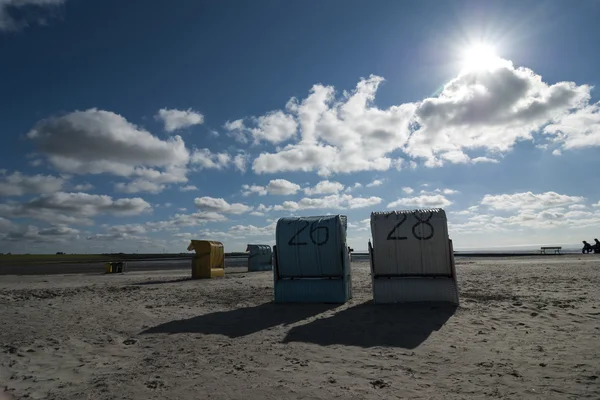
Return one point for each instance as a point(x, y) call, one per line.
point(526, 327)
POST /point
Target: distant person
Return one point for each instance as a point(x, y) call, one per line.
point(587, 248)
point(596, 246)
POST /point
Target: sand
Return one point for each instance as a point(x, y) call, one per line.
point(526, 328)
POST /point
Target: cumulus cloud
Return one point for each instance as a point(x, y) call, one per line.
point(424, 201)
point(188, 188)
point(96, 141)
point(18, 184)
point(33, 234)
point(237, 130)
point(408, 190)
point(489, 109)
point(58, 231)
point(178, 221)
point(220, 205)
point(376, 182)
point(83, 187)
point(74, 208)
point(130, 229)
point(206, 159)
point(253, 231)
point(250, 189)
point(325, 187)
point(9, 22)
point(348, 135)
point(357, 185)
point(178, 119)
point(273, 127)
point(450, 191)
point(282, 187)
point(580, 129)
point(485, 110)
point(261, 209)
point(334, 201)
point(529, 200)
point(520, 211)
point(240, 162)
point(139, 185)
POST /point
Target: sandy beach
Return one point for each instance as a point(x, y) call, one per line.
point(526, 328)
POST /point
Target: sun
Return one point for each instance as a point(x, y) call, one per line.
point(480, 57)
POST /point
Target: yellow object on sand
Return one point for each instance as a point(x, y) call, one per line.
point(114, 267)
point(209, 261)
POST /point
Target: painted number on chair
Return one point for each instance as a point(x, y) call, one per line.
point(391, 235)
point(314, 234)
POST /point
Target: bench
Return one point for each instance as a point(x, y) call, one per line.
point(555, 248)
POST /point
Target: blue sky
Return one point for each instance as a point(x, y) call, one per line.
point(135, 126)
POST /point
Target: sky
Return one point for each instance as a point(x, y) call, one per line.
point(134, 126)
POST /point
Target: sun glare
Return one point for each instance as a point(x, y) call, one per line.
point(480, 57)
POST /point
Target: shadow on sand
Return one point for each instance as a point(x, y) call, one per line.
point(160, 282)
point(243, 321)
point(370, 325)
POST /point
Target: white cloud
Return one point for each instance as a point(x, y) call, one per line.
point(179, 119)
point(220, 205)
point(178, 221)
point(237, 130)
point(188, 188)
point(206, 159)
point(450, 191)
point(282, 187)
point(580, 129)
point(274, 127)
point(8, 21)
point(261, 209)
point(33, 234)
point(83, 187)
point(486, 110)
point(424, 201)
point(325, 187)
point(556, 152)
point(408, 190)
point(130, 229)
point(526, 211)
point(74, 208)
point(18, 184)
point(96, 141)
point(334, 201)
point(596, 205)
point(340, 136)
point(529, 200)
point(240, 162)
point(478, 160)
point(490, 110)
point(139, 185)
point(253, 231)
point(376, 182)
point(356, 185)
point(249, 189)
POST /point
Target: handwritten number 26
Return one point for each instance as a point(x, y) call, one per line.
point(294, 239)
